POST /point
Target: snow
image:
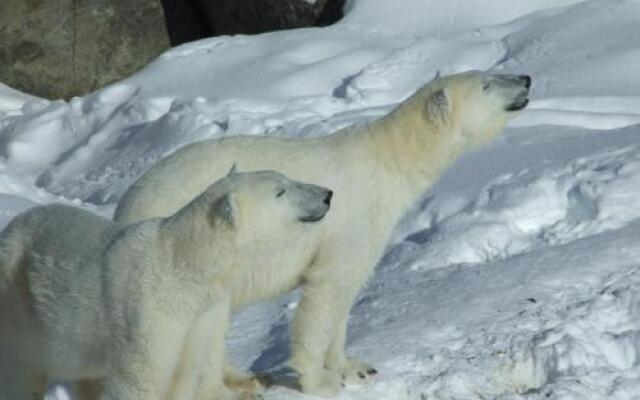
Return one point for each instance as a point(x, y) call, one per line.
point(515, 277)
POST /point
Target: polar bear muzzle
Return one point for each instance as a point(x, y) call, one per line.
point(315, 201)
point(514, 87)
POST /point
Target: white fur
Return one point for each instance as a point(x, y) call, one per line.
point(142, 308)
point(377, 171)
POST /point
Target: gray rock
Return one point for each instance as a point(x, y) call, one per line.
point(65, 48)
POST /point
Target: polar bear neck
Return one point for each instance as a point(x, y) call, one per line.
point(194, 242)
point(410, 151)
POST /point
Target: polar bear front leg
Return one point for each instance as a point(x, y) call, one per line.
point(205, 336)
point(212, 386)
point(143, 361)
point(352, 370)
point(323, 305)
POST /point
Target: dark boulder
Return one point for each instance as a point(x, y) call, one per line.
point(189, 20)
point(64, 48)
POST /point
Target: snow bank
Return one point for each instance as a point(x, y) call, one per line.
point(439, 18)
point(528, 209)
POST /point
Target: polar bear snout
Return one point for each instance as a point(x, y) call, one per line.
point(315, 203)
point(327, 199)
point(515, 89)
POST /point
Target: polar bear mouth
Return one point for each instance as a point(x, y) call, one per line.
point(311, 218)
point(518, 104)
point(320, 208)
point(520, 101)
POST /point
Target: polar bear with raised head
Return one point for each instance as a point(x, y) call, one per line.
point(378, 171)
point(140, 309)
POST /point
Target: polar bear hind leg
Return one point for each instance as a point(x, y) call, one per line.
point(19, 381)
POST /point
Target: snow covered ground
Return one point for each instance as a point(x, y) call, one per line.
point(516, 277)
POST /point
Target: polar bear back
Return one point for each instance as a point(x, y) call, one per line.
point(46, 237)
point(57, 228)
point(186, 173)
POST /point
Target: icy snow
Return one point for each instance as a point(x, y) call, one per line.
point(515, 277)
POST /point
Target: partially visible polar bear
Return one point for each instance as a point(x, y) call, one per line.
point(378, 170)
point(143, 307)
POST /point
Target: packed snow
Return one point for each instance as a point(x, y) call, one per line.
point(516, 277)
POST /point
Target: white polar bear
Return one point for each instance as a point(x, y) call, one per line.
point(378, 171)
point(143, 307)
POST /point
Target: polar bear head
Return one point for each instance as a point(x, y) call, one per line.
point(261, 196)
point(473, 106)
point(261, 205)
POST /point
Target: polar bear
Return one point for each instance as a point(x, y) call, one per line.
point(143, 307)
point(378, 171)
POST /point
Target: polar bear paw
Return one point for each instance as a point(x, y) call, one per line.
point(323, 383)
point(249, 396)
point(242, 382)
point(227, 394)
point(355, 372)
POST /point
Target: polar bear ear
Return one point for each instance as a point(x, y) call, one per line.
point(224, 209)
point(233, 170)
point(437, 106)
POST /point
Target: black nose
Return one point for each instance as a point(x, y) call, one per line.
point(327, 199)
point(527, 80)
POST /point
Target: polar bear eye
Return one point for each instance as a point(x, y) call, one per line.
point(486, 86)
point(280, 193)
